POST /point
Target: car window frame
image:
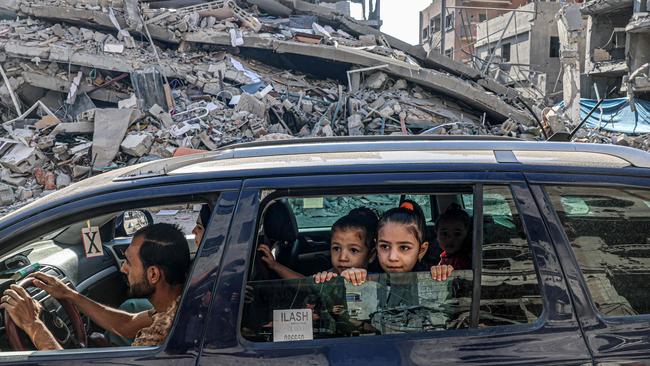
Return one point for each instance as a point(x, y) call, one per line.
point(253, 187)
point(115, 201)
point(570, 257)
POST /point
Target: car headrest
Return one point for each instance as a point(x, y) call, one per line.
point(280, 223)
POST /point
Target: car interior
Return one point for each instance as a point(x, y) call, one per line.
point(61, 253)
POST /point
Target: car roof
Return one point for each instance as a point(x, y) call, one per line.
point(348, 154)
point(375, 150)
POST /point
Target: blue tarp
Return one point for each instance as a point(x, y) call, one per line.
point(616, 115)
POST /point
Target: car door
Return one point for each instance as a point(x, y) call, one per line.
point(600, 227)
point(181, 346)
point(552, 336)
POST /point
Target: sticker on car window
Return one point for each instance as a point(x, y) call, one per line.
point(314, 202)
point(92, 242)
point(292, 325)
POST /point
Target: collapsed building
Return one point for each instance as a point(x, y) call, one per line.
point(93, 85)
point(618, 46)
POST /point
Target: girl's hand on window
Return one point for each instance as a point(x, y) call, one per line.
point(355, 275)
point(441, 273)
point(322, 277)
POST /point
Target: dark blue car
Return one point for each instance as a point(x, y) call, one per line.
point(559, 253)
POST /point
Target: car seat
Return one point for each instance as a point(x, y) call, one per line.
point(281, 233)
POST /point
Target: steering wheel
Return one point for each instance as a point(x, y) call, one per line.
point(14, 334)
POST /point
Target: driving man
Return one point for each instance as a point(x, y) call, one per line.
point(156, 266)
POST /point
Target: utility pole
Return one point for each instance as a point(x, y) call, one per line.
point(443, 25)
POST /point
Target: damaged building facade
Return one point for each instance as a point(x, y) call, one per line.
point(522, 48)
point(92, 85)
point(618, 48)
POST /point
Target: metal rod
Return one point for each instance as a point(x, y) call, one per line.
point(11, 92)
point(489, 62)
point(113, 80)
point(539, 123)
point(585, 119)
point(477, 239)
point(443, 28)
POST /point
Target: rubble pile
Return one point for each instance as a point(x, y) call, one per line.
point(93, 85)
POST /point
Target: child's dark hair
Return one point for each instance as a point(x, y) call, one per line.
point(361, 218)
point(409, 214)
point(454, 213)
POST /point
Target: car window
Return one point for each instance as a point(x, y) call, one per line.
point(89, 255)
point(280, 307)
point(608, 231)
point(319, 212)
point(384, 304)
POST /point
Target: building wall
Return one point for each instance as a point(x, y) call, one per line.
point(529, 36)
point(460, 38)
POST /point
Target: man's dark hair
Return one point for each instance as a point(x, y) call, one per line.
point(165, 246)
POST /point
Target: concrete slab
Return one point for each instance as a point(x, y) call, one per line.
point(109, 130)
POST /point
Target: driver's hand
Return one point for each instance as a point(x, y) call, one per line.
point(54, 286)
point(22, 308)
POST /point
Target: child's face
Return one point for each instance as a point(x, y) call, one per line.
point(451, 235)
point(398, 250)
point(348, 250)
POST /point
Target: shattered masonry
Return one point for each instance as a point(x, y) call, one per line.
point(93, 85)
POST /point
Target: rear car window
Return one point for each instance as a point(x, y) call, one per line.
point(280, 309)
point(608, 229)
point(318, 212)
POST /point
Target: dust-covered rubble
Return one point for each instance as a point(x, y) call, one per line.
point(94, 85)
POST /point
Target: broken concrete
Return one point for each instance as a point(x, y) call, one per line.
point(109, 129)
point(137, 144)
point(131, 100)
point(20, 159)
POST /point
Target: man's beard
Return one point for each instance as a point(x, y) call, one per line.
point(141, 289)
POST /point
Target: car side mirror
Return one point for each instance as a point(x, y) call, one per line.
point(131, 221)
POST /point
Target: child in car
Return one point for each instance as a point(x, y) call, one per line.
point(452, 231)
point(401, 245)
point(352, 244)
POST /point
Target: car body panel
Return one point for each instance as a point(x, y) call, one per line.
point(612, 340)
point(206, 330)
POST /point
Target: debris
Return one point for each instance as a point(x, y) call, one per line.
point(161, 115)
point(11, 92)
point(74, 86)
point(251, 105)
point(6, 195)
point(137, 144)
point(109, 129)
point(376, 80)
point(131, 102)
point(148, 86)
point(46, 122)
point(113, 47)
point(63, 180)
point(115, 84)
point(45, 178)
point(20, 159)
